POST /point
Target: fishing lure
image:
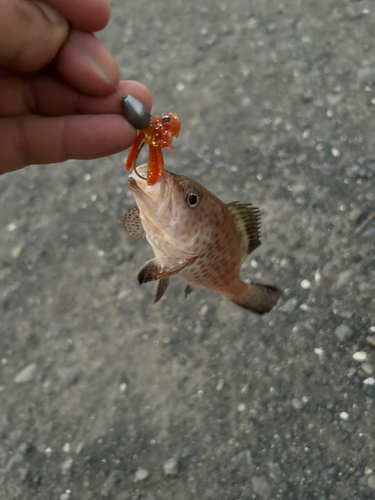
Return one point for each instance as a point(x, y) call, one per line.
point(153, 130)
point(159, 134)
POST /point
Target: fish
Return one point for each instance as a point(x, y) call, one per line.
point(198, 237)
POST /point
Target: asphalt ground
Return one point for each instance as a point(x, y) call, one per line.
point(277, 104)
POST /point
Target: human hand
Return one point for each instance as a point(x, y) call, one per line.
point(56, 103)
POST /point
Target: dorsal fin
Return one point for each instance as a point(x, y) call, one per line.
point(133, 224)
point(248, 222)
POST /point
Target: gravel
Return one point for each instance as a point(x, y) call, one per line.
point(27, 374)
point(67, 465)
point(360, 356)
point(331, 472)
point(371, 482)
point(141, 474)
point(189, 452)
point(170, 467)
point(244, 457)
point(68, 375)
point(297, 403)
point(367, 368)
point(276, 101)
point(261, 486)
point(344, 333)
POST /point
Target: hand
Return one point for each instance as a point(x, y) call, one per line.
point(56, 103)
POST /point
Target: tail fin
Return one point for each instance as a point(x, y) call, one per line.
point(255, 297)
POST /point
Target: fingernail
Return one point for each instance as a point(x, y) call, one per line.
point(52, 14)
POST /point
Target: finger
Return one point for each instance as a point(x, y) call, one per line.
point(86, 64)
point(34, 140)
point(85, 15)
point(31, 34)
point(47, 95)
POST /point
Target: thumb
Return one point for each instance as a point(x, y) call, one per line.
point(31, 33)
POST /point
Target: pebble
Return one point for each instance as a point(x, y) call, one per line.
point(297, 404)
point(65, 496)
point(298, 189)
point(344, 415)
point(318, 276)
point(371, 340)
point(300, 160)
point(68, 375)
point(170, 467)
point(16, 461)
point(80, 447)
point(189, 452)
point(319, 352)
point(332, 471)
point(307, 95)
point(367, 368)
point(67, 465)
point(343, 333)
point(354, 215)
point(360, 356)
point(220, 385)
point(25, 448)
point(344, 278)
point(141, 474)
point(203, 311)
point(369, 381)
point(348, 427)
point(371, 482)
point(305, 284)
point(241, 407)
point(275, 470)
point(343, 314)
point(26, 374)
point(341, 436)
point(244, 457)
point(261, 486)
point(290, 305)
point(16, 251)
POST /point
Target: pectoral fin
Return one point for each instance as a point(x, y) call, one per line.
point(133, 224)
point(176, 269)
point(148, 271)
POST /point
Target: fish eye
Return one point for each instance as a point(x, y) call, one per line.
point(192, 200)
point(165, 119)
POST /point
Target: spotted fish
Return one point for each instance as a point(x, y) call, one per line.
point(195, 235)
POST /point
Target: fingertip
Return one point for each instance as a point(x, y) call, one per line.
point(137, 90)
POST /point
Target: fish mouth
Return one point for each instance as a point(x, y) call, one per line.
point(150, 195)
